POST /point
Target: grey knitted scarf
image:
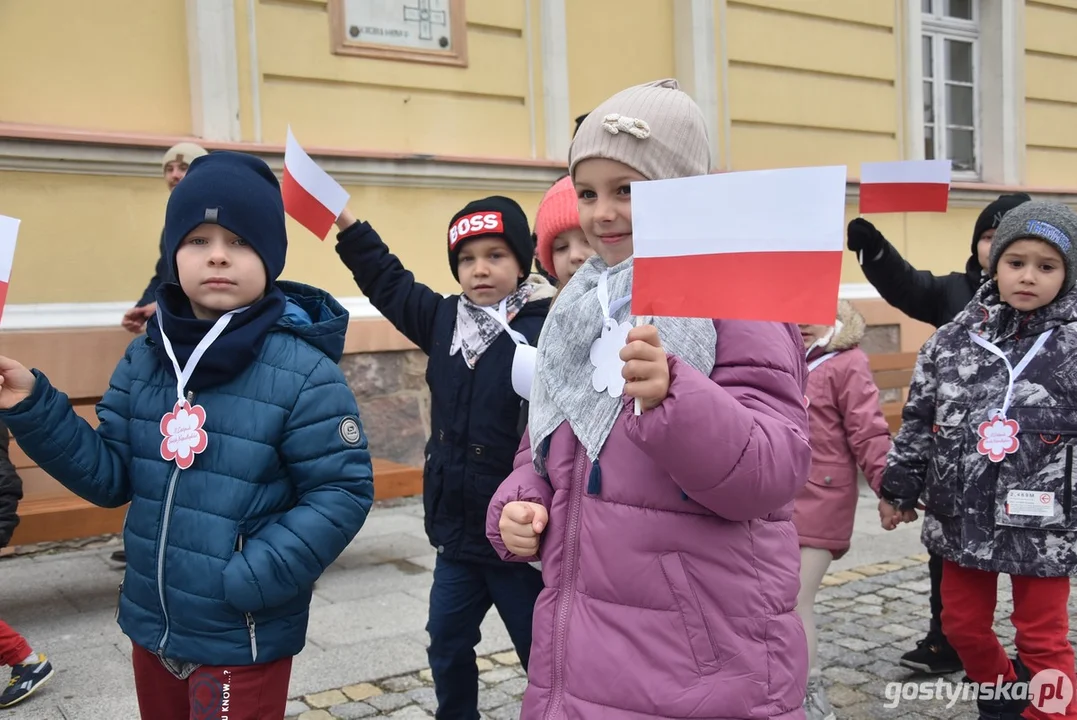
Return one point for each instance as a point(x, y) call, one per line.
point(563, 388)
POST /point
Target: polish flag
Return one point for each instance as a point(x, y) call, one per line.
point(759, 245)
point(9, 230)
point(311, 196)
point(907, 186)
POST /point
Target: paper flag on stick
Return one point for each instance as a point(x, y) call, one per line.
point(9, 230)
point(908, 186)
point(311, 196)
point(759, 245)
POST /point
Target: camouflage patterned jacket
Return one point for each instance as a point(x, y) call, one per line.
point(972, 517)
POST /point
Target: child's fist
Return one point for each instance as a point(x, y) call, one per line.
point(16, 383)
point(521, 525)
point(891, 517)
point(646, 370)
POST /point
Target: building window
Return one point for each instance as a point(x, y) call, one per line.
point(950, 38)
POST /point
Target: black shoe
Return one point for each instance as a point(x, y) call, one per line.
point(25, 681)
point(119, 558)
point(1006, 708)
point(932, 656)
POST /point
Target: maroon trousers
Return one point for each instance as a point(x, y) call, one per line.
point(13, 647)
point(242, 692)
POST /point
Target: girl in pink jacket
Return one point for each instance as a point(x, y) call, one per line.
point(847, 430)
point(669, 555)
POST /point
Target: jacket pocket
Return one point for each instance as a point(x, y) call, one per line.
point(1036, 491)
point(700, 640)
point(433, 488)
point(944, 482)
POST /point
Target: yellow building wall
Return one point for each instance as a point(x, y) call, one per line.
point(1051, 93)
point(94, 239)
point(118, 65)
point(369, 104)
point(612, 49)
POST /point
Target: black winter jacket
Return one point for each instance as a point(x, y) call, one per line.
point(474, 414)
point(10, 490)
point(162, 272)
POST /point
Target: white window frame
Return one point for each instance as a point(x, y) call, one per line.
point(999, 72)
point(940, 29)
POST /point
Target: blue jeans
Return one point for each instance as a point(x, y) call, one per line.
point(462, 594)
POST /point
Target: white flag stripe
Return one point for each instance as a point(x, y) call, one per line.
point(314, 180)
point(9, 230)
point(799, 209)
point(907, 171)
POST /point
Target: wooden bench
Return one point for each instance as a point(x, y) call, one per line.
point(893, 373)
point(80, 362)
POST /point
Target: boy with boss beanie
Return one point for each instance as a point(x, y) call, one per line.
point(472, 342)
point(232, 433)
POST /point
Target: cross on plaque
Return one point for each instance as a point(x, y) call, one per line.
point(426, 18)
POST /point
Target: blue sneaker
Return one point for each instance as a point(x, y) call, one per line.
point(25, 681)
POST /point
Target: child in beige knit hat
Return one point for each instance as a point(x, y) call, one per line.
point(671, 563)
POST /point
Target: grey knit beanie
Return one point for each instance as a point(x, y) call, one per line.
point(1052, 223)
point(655, 128)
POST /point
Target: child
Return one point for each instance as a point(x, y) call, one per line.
point(471, 340)
point(986, 445)
point(29, 670)
point(234, 436)
point(562, 246)
point(669, 553)
point(847, 430)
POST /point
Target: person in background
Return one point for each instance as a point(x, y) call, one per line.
point(29, 670)
point(562, 245)
point(934, 300)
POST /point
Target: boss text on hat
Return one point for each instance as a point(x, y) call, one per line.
point(484, 223)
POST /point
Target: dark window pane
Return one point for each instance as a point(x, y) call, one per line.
point(961, 150)
point(959, 60)
point(959, 105)
point(929, 143)
point(929, 102)
point(925, 6)
point(961, 9)
point(929, 57)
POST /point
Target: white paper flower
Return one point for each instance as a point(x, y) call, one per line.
point(606, 358)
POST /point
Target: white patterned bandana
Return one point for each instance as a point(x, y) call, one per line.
point(476, 329)
point(563, 389)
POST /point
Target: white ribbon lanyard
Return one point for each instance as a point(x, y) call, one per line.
point(820, 360)
point(523, 360)
point(1014, 371)
point(609, 308)
point(502, 317)
point(183, 375)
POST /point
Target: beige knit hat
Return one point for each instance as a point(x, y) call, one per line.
point(184, 152)
point(654, 128)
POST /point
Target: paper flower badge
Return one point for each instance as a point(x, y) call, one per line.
point(998, 438)
point(606, 358)
point(184, 436)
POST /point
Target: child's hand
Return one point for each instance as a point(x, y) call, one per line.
point(891, 517)
point(134, 320)
point(346, 219)
point(521, 525)
point(16, 383)
point(646, 370)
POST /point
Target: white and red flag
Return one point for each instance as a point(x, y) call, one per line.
point(904, 186)
point(9, 231)
point(756, 245)
point(311, 196)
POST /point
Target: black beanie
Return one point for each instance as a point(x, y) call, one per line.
point(238, 192)
point(496, 216)
point(992, 215)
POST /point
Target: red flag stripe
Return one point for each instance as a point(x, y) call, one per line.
point(903, 197)
point(304, 207)
point(797, 287)
point(3, 297)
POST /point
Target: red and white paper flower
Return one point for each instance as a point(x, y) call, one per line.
point(184, 436)
point(998, 438)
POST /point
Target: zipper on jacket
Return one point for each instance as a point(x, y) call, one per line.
point(119, 596)
point(568, 582)
point(254, 637)
point(162, 544)
point(1067, 487)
